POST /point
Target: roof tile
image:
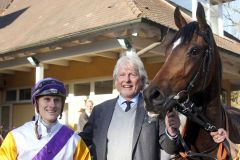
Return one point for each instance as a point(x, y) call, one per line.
point(26, 22)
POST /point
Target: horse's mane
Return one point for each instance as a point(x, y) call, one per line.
point(185, 33)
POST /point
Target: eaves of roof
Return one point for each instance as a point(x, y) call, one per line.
point(69, 37)
point(29, 22)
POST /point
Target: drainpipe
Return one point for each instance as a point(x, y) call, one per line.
point(39, 72)
point(220, 20)
point(194, 8)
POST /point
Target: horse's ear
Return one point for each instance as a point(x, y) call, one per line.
point(179, 20)
point(201, 17)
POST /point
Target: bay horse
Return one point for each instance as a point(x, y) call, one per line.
point(190, 82)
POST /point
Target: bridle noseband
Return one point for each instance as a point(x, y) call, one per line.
point(190, 110)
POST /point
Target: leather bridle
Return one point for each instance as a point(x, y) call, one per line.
point(185, 105)
point(189, 108)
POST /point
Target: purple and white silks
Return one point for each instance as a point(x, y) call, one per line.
point(50, 150)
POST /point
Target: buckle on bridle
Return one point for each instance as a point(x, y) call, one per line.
point(185, 105)
point(182, 97)
point(210, 127)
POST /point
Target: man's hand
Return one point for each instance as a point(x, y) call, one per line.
point(219, 136)
point(172, 122)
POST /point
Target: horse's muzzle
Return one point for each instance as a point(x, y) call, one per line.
point(157, 101)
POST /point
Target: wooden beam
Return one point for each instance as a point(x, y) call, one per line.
point(22, 69)
point(58, 62)
point(232, 69)
point(111, 55)
point(85, 49)
point(158, 59)
point(81, 59)
point(7, 72)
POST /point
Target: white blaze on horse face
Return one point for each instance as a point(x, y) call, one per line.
point(176, 43)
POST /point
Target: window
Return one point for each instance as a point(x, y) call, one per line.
point(25, 94)
point(17, 95)
point(81, 89)
point(103, 87)
point(11, 95)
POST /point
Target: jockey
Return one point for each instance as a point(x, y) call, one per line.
point(45, 138)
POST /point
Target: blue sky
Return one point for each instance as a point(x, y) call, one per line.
point(184, 3)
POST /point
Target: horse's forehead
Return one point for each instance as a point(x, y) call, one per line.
point(176, 43)
point(198, 40)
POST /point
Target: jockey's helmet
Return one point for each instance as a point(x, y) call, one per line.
point(48, 87)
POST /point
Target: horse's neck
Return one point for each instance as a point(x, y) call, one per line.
point(213, 108)
point(213, 112)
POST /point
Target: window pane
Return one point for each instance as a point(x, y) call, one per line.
point(25, 94)
point(11, 95)
point(103, 87)
point(82, 89)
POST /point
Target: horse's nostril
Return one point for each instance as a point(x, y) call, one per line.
point(154, 94)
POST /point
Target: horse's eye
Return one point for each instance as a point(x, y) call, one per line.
point(194, 51)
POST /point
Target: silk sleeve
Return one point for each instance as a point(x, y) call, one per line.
point(82, 151)
point(8, 149)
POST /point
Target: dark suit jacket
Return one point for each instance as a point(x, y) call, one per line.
point(148, 138)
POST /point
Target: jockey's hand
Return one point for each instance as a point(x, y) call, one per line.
point(172, 123)
point(219, 136)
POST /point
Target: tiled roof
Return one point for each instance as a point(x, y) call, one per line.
point(29, 21)
point(162, 12)
point(35, 21)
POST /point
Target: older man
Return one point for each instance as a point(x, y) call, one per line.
point(120, 129)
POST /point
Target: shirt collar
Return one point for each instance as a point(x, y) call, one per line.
point(47, 130)
point(123, 105)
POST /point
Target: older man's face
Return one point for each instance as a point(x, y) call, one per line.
point(128, 81)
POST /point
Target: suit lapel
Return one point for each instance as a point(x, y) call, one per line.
point(140, 113)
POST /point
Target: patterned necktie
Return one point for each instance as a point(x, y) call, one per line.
point(128, 105)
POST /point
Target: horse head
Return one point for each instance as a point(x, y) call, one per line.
point(189, 69)
point(190, 82)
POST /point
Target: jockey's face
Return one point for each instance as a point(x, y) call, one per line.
point(49, 108)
